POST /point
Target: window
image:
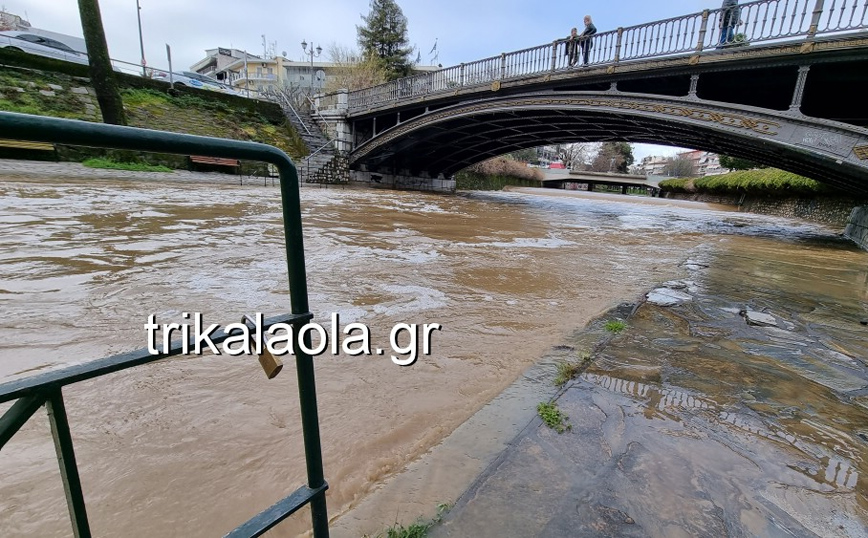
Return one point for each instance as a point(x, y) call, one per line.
point(57, 45)
point(30, 37)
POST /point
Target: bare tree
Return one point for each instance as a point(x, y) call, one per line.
point(102, 76)
point(353, 70)
point(679, 167)
point(576, 156)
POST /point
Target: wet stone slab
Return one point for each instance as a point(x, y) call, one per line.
point(739, 411)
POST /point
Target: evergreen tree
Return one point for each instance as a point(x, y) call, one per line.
point(102, 76)
point(613, 157)
point(736, 163)
point(384, 36)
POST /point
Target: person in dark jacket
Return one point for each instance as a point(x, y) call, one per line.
point(586, 40)
point(572, 47)
point(729, 18)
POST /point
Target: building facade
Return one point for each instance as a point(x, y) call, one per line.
point(243, 70)
point(704, 164)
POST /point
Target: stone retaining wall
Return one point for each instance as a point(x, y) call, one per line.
point(834, 211)
point(407, 182)
point(831, 210)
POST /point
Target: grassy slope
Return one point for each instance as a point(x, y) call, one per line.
point(149, 109)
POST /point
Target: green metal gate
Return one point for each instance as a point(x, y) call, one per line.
point(31, 393)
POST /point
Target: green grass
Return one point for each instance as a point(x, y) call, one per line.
point(133, 167)
point(553, 417)
point(416, 530)
point(569, 369)
point(615, 326)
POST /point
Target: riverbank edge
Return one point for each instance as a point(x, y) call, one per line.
point(464, 453)
point(829, 210)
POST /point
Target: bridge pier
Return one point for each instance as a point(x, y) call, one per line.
point(857, 227)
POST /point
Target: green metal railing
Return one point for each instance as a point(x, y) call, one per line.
point(33, 392)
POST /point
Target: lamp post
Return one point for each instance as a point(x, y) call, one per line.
point(141, 41)
point(312, 55)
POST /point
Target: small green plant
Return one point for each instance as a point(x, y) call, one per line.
point(553, 417)
point(615, 326)
point(419, 529)
point(133, 167)
point(416, 530)
point(568, 369)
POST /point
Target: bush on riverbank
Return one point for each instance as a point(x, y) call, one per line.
point(762, 181)
point(495, 174)
point(110, 164)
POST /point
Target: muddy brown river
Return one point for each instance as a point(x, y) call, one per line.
point(197, 445)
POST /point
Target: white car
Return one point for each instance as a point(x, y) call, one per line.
point(195, 80)
point(40, 45)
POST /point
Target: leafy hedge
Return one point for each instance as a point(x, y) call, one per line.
point(677, 184)
point(761, 181)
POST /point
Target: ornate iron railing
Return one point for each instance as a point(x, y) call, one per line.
point(762, 21)
point(31, 393)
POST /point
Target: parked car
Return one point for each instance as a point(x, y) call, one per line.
point(195, 80)
point(40, 45)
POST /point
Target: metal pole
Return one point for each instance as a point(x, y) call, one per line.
point(169, 55)
point(141, 41)
point(68, 468)
point(246, 75)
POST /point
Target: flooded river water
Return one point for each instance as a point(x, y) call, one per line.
point(195, 446)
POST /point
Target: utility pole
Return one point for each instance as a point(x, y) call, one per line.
point(141, 40)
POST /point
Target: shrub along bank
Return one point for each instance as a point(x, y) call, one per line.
point(764, 181)
point(495, 174)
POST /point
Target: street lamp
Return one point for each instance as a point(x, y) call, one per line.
point(312, 56)
point(141, 41)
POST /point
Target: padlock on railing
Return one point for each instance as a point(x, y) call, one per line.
point(270, 364)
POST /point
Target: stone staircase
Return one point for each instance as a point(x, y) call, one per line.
point(324, 165)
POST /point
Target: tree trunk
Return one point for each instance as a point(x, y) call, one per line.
point(102, 77)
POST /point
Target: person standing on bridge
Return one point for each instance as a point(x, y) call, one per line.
point(572, 47)
point(729, 18)
point(586, 40)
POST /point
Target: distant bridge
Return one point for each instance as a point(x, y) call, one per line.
point(590, 181)
point(790, 93)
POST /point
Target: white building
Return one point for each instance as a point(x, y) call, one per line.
point(704, 164)
point(244, 70)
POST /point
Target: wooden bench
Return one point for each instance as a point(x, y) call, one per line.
point(23, 144)
point(234, 164)
point(25, 148)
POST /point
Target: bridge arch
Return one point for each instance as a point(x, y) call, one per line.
point(446, 140)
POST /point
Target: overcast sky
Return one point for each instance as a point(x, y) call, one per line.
point(464, 30)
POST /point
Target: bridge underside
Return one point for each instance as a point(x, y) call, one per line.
point(450, 139)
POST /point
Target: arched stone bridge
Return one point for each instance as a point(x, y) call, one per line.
point(791, 92)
